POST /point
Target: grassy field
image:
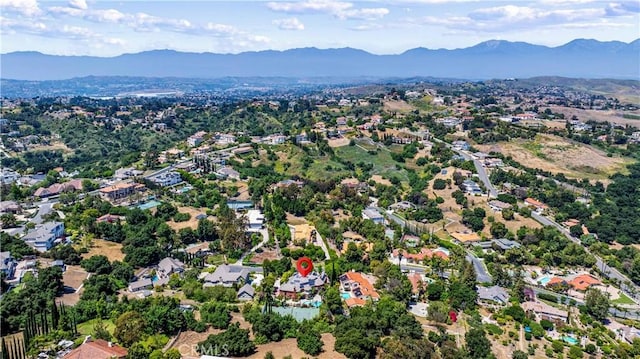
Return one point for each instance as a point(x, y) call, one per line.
point(86, 328)
point(382, 162)
point(624, 299)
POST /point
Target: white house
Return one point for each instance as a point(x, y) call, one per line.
point(43, 237)
point(374, 215)
point(166, 179)
point(256, 219)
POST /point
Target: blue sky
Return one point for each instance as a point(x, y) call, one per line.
point(110, 28)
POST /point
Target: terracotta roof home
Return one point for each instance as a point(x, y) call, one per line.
point(583, 282)
point(535, 203)
point(555, 280)
point(98, 349)
point(359, 285)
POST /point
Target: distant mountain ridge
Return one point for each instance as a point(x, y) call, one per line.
point(580, 58)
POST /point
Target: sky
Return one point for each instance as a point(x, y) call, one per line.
point(111, 28)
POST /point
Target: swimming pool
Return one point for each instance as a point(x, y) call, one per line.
point(345, 295)
point(570, 340)
point(544, 280)
point(149, 204)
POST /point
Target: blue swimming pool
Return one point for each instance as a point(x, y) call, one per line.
point(570, 340)
point(544, 280)
point(345, 295)
point(149, 204)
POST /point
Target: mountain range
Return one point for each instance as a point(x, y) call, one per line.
point(579, 58)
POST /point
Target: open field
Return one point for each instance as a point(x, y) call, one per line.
point(596, 115)
point(558, 155)
point(112, 250)
point(382, 162)
point(290, 347)
point(191, 223)
point(86, 328)
point(397, 106)
point(338, 142)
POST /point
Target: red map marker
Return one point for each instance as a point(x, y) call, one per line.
point(304, 266)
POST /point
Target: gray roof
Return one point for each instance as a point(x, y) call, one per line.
point(506, 243)
point(298, 283)
point(248, 289)
point(170, 265)
point(41, 232)
point(142, 283)
point(495, 294)
point(372, 213)
point(227, 274)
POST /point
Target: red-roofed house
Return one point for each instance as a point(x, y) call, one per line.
point(98, 349)
point(539, 206)
point(583, 282)
point(420, 256)
point(359, 287)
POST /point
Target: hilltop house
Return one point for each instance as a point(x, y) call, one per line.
point(120, 190)
point(166, 179)
point(97, 349)
point(359, 288)
point(495, 294)
point(374, 215)
point(246, 292)
point(545, 311)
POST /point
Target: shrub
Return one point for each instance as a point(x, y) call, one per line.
point(546, 324)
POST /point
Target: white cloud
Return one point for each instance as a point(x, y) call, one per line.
point(37, 28)
point(289, 24)
point(78, 4)
point(310, 6)
point(341, 10)
point(23, 7)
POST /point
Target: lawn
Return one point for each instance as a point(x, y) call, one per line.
point(624, 299)
point(86, 328)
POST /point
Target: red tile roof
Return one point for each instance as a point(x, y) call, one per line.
point(583, 281)
point(98, 349)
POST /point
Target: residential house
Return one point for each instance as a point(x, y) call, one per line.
point(539, 206)
point(417, 283)
point(305, 286)
point(228, 172)
point(124, 173)
point(97, 349)
point(7, 264)
point(461, 145)
point(302, 138)
point(120, 190)
point(495, 294)
point(58, 188)
point(288, 182)
point(60, 264)
point(227, 275)
point(498, 206)
point(8, 176)
point(471, 187)
point(43, 237)
point(465, 237)
point(493, 162)
point(582, 282)
point(242, 150)
point(166, 179)
point(246, 292)
point(373, 215)
point(225, 139)
point(276, 139)
point(355, 184)
point(418, 258)
point(403, 205)
point(196, 138)
point(140, 284)
point(10, 207)
point(255, 220)
point(168, 266)
point(546, 311)
point(109, 218)
point(360, 288)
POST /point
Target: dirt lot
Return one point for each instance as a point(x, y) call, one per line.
point(338, 142)
point(72, 279)
point(191, 223)
point(399, 106)
point(187, 342)
point(557, 155)
point(258, 258)
point(112, 250)
point(379, 179)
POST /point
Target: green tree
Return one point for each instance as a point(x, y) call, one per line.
point(138, 351)
point(8, 220)
point(597, 303)
point(478, 345)
point(217, 314)
point(309, 340)
point(100, 331)
point(232, 342)
point(333, 300)
point(575, 352)
point(129, 328)
point(519, 354)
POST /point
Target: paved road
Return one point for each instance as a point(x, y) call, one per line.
point(322, 244)
point(482, 173)
point(265, 239)
point(482, 276)
point(630, 313)
point(626, 285)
